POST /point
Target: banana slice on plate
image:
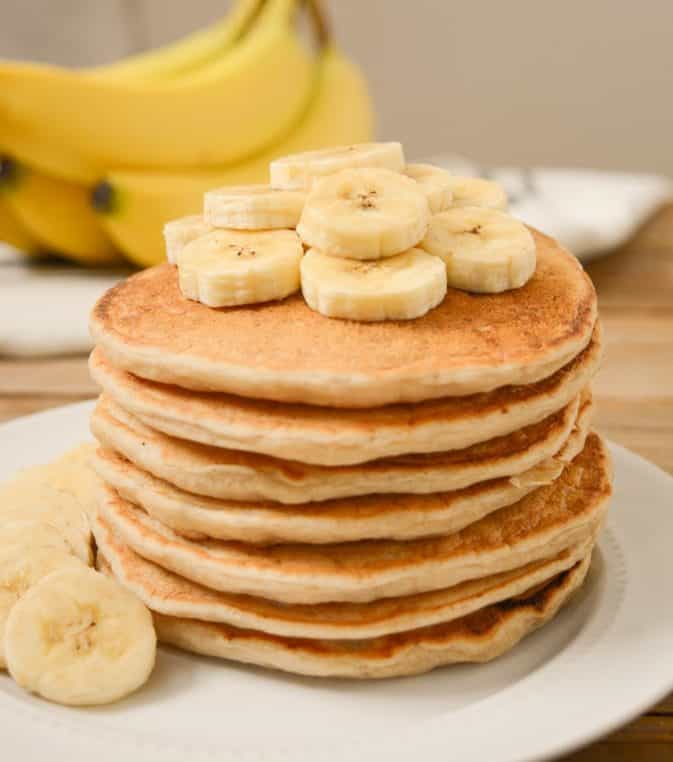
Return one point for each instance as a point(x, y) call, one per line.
point(178, 233)
point(39, 534)
point(364, 214)
point(231, 267)
point(300, 170)
point(253, 207)
point(402, 287)
point(435, 182)
point(485, 251)
point(78, 638)
point(37, 494)
point(29, 551)
point(475, 191)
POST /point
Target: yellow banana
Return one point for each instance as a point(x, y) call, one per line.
point(188, 53)
point(13, 232)
point(226, 111)
point(85, 241)
point(34, 151)
point(56, 214)
point(135, 206)
point(155, 64)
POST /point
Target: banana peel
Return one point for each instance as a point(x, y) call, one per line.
point(12, 232)
point(227, 110)
point(133, 207)
point(187, 54)
point(56, 214)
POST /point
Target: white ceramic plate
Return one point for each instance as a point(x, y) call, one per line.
point(605, 659)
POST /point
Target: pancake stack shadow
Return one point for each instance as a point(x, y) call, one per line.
point(345, 499)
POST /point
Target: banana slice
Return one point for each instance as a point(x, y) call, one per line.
point(29, 550)
point(300, 170)
point(178, 233)
point(364, 214)
point(475, 191)
point(485, 251)
point(39, 534)
point(253, 207)
point(435, 182)
point(43, 494)
point(402, 287)
point(229, 267)
point(78, 638)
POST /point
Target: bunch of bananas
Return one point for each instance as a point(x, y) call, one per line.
point(93, 163)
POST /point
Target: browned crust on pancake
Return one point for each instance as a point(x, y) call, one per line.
point(368, 505)
point(404, 515)
point(476, 637)
point(546, 521)
point(171, 595)
point(395, 515)
point(583, 485)
point(482, 453)
point(148, 327)
point(478, 626)
point(423, 506)
point(293, 415)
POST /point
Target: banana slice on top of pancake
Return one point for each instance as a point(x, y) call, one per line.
point(300, 170)
point(226, 268)
point(476, 191)
point(435, 182)
point(402, 287)
point(178, 233)
point(485, 250)
point(364, 214)
point(253, 207)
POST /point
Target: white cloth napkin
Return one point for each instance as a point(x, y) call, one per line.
point(44, 307)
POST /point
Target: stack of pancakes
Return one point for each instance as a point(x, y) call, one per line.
point(338, 498)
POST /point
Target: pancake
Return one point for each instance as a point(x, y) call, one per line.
point(168, 594)
point(401, 516)
point(285, 351)
point(541, 525)
point(478, 637)
point(237, 475)
point(318, 436)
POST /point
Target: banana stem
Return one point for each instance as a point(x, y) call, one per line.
point(319, 21)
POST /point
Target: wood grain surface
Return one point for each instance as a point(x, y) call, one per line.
point(634, 392)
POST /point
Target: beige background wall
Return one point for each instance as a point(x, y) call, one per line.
point(517, 81)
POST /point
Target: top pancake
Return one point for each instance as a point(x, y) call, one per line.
point(285, 351)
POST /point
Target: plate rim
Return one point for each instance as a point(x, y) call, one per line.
point(424, 738)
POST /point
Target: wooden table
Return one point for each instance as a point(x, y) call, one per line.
point(634, 393)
